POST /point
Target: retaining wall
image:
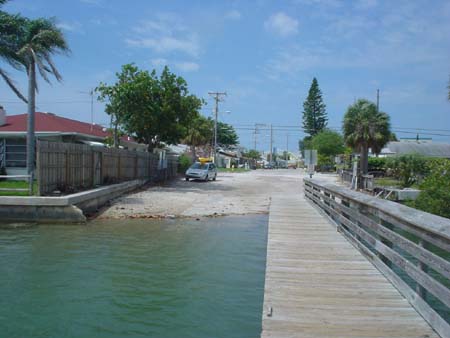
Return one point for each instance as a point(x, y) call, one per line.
point(66, 209)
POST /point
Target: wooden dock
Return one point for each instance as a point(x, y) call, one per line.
point(318, 285)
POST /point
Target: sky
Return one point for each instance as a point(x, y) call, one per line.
point(263, 53)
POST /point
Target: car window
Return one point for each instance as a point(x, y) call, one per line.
point(199, 166)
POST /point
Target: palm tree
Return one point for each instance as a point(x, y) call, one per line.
point(11, 29)
point(199, 133)
point(365, 127)
point(41, 39)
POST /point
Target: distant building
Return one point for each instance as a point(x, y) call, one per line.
point(416, 139)
point(421, 147)
point(49, 127)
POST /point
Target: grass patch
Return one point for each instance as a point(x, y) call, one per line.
point(230, 170)
point(387, 182)
point(16, 185)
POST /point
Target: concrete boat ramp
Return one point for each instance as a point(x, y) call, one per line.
point(319, 285)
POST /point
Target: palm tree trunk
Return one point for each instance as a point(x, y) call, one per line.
point(194, 154)
point(31, 142)
point(364, 159)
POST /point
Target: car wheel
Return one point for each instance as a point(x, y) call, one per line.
point(206, 178)
point(187, 178)
point(215, 176)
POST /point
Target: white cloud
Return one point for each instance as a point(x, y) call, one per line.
point(167, 44)
point(165, 34)
point(92, 2)
point(281, 24)
point(366, 4)
point(324, 3)
point(71, 27)
point(233, 15)
point(159, 62)
point(187, 66)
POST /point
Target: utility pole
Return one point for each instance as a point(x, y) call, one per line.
point(91, 94)
point(217, 96)
point(256, 131)
point(378, 100)
point(271, 145)
point(287, 146)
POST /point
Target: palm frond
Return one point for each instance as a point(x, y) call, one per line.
point(42, 40)
point(40, 66)
point(52, 66)
point(12, 85)
point(12, 28)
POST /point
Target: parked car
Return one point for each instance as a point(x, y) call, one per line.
point(202, 171)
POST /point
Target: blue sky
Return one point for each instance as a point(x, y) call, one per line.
point(263, 53)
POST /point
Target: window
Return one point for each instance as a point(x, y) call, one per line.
point(16, 153)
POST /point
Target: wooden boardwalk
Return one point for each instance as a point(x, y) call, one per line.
point(319, 285)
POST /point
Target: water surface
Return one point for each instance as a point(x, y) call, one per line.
point(171, 278)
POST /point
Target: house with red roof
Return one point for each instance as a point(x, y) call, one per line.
point(49, 127)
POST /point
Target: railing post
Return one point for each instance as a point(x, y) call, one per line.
point(30, 184)
point(419, 289)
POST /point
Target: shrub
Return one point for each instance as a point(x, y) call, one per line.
point(377, 163)
point(409, 169)
point(435, 195)
point(184, 163)
point(325, 163)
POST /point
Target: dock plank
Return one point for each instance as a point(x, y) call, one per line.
point(318, 285)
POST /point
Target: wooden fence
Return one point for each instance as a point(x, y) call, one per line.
point(366, 181)
point(410, 247)
point(68, 167)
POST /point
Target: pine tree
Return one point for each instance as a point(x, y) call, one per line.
point(314, 114)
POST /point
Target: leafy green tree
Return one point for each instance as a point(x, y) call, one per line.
point(226, 135)
point(328, 143)
point(12, 28)
point(365, 127)
point(409, 169)
point(314, 114)
point(41, 39)
point(153, 109)
point(305, 143)
point(435, 189)
point(199, 133)
point(252, 154)
point(184, 163)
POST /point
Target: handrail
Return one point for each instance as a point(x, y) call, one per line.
point(391, 234)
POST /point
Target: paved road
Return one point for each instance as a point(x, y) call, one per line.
point(231, 194)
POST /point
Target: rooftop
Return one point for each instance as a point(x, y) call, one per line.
point(51, 123)
point(422, 148)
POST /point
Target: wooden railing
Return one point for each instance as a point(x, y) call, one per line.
point(410, 247)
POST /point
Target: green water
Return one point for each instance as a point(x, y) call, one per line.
point(176, 278)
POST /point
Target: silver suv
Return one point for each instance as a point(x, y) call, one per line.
point(202, 171)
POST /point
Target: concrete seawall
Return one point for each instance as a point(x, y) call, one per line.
point(64, 209)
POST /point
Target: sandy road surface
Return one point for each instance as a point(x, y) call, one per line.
point(231, 194)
